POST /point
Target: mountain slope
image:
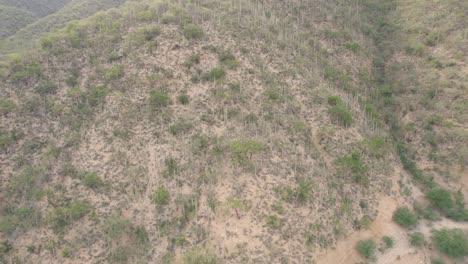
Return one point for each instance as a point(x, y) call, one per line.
point(39, 8)
point(210, 132)
point(25, 38)
point(13, 19)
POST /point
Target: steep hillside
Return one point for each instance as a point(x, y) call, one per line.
point(429, 76)
point(39, 8)
point(222, 132)
point(12, 19)
point(74, 9)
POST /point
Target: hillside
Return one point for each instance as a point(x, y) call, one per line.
point(39, 8)
point(236, 132)
point(12, 19)
point(72, 10)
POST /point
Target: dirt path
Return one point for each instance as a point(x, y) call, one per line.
point(401, 253)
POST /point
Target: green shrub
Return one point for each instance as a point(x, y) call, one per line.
point(114, 73)
point(440, 199)
point(274, 222)
point(146, 15)
point(388, 241)
point(183, 99)
point(126, 240)
point(366, 248)
point(300, 194)
point(95, 95)
point(404, 217)
point(149, 32)
point(29, 71)
point(91, 180)
point(417, 239)
point(353, 46)
point(46, 88)
point(356, 168)
point(192, 31)
point(227, 59)
point(171, 167)
point(215, 74)
point(437, 261)
point(158, 100)
point(417, 49)
point(200, 256)
point(6, 106)
point(180, 127)
point(375, 146)
point(342, 115)
point(161, 196)
point(5, 141)
point(61, 217)
point(452, 242)
point(334, 100)
point(192, 60)
point(243, 150)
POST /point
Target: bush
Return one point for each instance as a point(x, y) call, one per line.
point(6, 106)
point(437, 261)
point(126, 241)
point(440, 199)
point(149, 32)
point(227, 58)
point(341, 114)
point(91, 180)
point(114, 73)
point(192, 60)
point(200, 256)
point(171, 167)
point(242, 150)
point(192, 31)
point(161, 196)
point(334, 100)
point(452, 242)
point(96, 95)
point(61, 217)
point(158, 100)
point(388, 241)
point(180, 127)
point(417, 239)
point(356, 167)
point(366, 248)
point(46, 88)
point(404, 217)
point(217, 73)
point(183, 99)
point(274, 222)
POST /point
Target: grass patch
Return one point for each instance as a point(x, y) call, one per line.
point(161, 196)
